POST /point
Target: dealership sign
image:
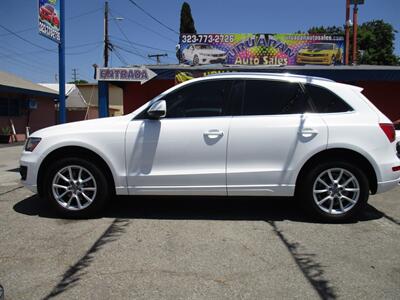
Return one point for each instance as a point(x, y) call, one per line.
point(261, 49)
point(140, 74)
point(49, 19)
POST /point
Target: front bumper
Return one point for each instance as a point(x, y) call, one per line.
point(319, 60)
point(212, 60)
point(28, 170)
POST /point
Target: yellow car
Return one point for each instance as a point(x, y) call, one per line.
point(320, 54)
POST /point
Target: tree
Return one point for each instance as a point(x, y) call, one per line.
point(332, 30)
point(375, 41)
point(187, 23)
point(81, 81)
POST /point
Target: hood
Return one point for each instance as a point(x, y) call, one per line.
point(211, 51)
point(79, 127)
point(315, 51)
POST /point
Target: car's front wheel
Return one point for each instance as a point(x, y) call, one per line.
point(75, 187)
point(335, 191)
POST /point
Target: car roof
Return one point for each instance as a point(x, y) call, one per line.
point(276, 76)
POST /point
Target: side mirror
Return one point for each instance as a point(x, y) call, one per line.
point(157, 110)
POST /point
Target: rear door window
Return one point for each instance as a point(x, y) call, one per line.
point(269, 97)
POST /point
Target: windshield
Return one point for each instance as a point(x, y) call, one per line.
point(320, 47)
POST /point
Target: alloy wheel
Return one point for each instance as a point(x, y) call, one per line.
point(336, 191)
point(74, 187)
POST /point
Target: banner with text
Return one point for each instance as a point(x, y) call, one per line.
point(49, 19)
point(261, 49)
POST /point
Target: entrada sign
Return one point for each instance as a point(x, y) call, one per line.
point(141, 74)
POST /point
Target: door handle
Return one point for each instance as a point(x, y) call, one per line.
point(308, 131)
point(213, 133)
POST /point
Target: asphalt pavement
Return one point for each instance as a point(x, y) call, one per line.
point(194, 248)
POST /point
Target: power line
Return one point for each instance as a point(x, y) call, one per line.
point(55, 50)
point(126, 37)
point(142, 45)
point(157, 56)
point(85, 51)
point(41, 64)
point(154, 18)
point(24, 64)
point(119, 56)
point(145, 27)
point(132, 52)
point(70, 18)
point(25, 40)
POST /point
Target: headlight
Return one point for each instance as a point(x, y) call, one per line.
point(31, 143)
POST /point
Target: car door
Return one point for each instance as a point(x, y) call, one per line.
point(272, 133)
point(185, 152)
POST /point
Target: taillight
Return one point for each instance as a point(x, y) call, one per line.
point(388, 129)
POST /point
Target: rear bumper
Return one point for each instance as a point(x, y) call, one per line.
point(387, 185)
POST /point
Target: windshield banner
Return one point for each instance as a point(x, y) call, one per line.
point(49, 19)
point(261, 49)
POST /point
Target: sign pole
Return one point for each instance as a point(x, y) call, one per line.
point(347, 32)
point(61, 65)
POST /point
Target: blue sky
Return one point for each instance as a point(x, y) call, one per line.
point(84, 29)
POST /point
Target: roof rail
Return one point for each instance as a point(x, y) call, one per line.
point(280, 75)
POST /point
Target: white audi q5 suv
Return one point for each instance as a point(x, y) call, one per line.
point(236, 134)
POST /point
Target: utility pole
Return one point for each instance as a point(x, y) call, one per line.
point(347, 33)
point(106, 41)
point(74, 74)
point(157, 56)
point(355, 11)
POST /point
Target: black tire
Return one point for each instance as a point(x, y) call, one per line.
point(102, 188)
point(305, 193)
point(196, 60)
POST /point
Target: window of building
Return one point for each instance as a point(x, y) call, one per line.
point(11, 107)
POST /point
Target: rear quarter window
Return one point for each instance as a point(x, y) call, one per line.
point(326, 101)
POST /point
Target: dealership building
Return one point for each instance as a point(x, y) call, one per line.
point(381, 84)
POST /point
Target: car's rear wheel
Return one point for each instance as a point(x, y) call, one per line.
point(196, 60)
point(335, 191)
point(75, 187)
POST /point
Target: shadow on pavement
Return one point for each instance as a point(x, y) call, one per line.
point(307, 263)
point(74, 273)
point(122, 209)
point(195, 208)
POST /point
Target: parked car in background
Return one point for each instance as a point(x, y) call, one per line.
point(235, 134)
point(48, 13)
point(202, 54)
point(320, 53)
